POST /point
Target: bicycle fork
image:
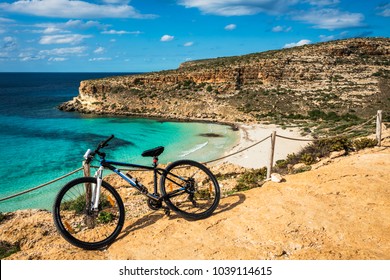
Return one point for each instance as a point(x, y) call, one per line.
point(92, 197)
point(95, 195)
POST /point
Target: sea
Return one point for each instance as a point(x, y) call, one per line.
point(39, 143)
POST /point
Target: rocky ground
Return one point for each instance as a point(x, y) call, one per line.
point(339, 210)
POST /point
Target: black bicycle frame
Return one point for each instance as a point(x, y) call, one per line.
point(134, 182)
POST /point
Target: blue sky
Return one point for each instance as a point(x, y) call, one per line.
point(152, 35)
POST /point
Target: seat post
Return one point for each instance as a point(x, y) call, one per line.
point(155, 161)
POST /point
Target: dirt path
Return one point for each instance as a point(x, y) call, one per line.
point(338, 211)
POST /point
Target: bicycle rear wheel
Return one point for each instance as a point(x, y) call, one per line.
point(84, 228)
point(190, 189)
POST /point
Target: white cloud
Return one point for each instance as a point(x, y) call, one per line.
point(99, 50)
point(76, 23)
point(167, 38)
point(297, 44)
point(121, 32)
point(58, 59)
point(100, 59)
point(279, 28)
point(384, 10)
point(29, 58)
point(230, 27)
point(9, 44)
point(238, 7)
point(64, 27)
point(325, 38)
point(342, 35)
point(6, 20)
point(53, 29)
point(8, 48)
point(188, 44)
point(63, 39)
point(123, 2)
point(323, 2)
point(72, 9)
point(64, 51)
point(331, 19)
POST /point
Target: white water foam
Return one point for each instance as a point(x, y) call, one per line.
point(196, 148)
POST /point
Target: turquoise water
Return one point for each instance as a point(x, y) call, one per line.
point(39, 143)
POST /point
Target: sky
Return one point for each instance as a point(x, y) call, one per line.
point(154, 35)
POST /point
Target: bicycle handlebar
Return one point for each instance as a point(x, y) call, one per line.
point(105, 142)
point(89, 156)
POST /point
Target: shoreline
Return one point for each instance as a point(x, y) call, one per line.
point(250, 133)
point(259, 155)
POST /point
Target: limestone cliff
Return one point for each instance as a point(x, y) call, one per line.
point(346, 76)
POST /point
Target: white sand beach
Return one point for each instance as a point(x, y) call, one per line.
point(259, 155)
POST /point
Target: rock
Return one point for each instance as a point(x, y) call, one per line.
point(299, 166)
point(337, 154)
point(277, 178)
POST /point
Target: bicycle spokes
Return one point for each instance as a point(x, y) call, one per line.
point(191, 189)
point(80, 220)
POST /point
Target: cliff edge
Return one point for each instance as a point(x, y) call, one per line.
point(346, 77)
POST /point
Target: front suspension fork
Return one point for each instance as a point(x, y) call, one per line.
point(96, 189)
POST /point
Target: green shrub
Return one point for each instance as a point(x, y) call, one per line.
point(302, 169)
point(363, 143)
point(251, 179)
point(282, 163)
point(105, 217)
point(309, 154)
point(307, 159)
point(7, 249)
point(317, 114)
point(324, 147)
point(77, 204)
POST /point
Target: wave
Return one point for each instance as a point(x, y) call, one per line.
point(196, 148)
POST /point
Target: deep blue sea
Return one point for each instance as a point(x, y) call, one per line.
point(39, 143)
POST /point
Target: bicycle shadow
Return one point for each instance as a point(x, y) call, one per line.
point(143, 222)
point(224, 207)
point(153, 217)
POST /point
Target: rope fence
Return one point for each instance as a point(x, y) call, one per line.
point(273, 137)
point(42, 185)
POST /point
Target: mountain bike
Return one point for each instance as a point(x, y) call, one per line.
point(89, 213)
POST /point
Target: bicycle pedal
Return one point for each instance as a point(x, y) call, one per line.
point(167, 211)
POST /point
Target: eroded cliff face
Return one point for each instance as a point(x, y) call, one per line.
point(347, 77)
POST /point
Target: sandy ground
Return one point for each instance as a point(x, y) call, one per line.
point(259, 155)
point(340, 210)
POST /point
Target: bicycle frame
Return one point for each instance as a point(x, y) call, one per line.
point(132, 181)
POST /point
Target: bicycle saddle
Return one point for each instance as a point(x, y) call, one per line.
point(155, 152)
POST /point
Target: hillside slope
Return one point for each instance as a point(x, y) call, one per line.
point(338, 211)
point(346, 77)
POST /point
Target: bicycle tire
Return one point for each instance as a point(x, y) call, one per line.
point(190, 189)
point(80, 228)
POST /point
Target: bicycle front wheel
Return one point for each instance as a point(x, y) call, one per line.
point(78, 224)
point(190, 189)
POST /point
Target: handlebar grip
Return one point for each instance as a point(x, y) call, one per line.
point(104, 143)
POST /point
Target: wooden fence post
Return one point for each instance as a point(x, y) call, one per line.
point(379, 127)
point(271, 157)
point(86, 169)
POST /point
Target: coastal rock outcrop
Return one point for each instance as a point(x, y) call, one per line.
point(346, 77)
